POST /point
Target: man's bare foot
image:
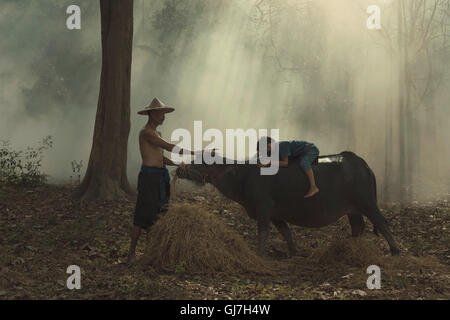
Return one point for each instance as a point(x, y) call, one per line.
point(312, 192)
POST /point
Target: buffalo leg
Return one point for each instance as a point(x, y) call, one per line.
point(263, 212)
point(283, 228)
point(381, 225)
point(263, 234)
point(357, 224)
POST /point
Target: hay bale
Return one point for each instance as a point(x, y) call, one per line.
point(418, 264)
point(190, 239)
point(355, 252)
point(360, 252)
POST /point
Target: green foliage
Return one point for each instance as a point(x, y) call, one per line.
point(23, 167)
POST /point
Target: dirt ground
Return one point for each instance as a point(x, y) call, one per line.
point(43, 231)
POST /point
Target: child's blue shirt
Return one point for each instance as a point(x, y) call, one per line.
point(294, 148)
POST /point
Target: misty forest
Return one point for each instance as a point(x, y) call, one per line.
point(71, 155)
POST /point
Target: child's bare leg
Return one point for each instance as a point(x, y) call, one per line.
point(135, 233)
point(312, 184)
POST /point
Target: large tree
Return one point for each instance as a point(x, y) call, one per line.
point(106, 176)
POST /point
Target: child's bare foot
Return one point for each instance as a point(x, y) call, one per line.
point(312, 192)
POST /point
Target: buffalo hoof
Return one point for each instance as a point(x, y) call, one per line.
point(395, 252)
point(375, 231)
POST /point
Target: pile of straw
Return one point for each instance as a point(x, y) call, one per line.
point(356, 252)
point(189, 239)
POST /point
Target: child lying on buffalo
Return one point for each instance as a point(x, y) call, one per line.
point(294, 148)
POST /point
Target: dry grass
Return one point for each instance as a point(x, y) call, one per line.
point(345, 262)
point(354, 252)
point(190, 239)
point(360, 252)
point(41, 236)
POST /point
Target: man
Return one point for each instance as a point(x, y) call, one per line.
point(294, 148)
point(153, 179)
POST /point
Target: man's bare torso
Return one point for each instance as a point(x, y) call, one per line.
point(152, 155)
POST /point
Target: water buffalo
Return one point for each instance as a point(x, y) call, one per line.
point(347, 187)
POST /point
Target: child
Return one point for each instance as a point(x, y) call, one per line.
point(295, 148)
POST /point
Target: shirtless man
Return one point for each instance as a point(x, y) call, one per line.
point(153, 179)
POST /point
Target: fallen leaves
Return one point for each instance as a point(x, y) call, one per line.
point(360, 293)
point(41, 236)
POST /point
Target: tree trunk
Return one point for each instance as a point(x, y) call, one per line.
point(106, 176)
point(401, 104)
point(388, 182)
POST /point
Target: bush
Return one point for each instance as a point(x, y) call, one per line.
point(23, 167)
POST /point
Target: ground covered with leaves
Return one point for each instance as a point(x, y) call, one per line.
point(43, 231)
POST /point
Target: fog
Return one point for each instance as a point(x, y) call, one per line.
point(311, 69)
